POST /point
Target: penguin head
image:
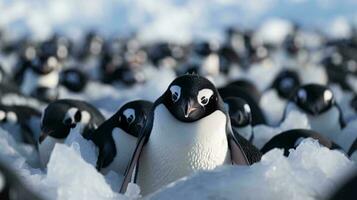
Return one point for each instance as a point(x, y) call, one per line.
point(191, 97)
point(239, 111)
point(59, 118)
point(286, 83)
point(314, 98)
point(44, 64)
point(132, 116)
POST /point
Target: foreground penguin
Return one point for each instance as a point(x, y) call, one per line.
point(318, 103)
point(62, 117)
point(188, 130)
point(347, 190)
point(116, 138)
point(292, 138)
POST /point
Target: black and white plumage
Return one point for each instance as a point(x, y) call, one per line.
point(74, 79)
point(22, 121)
point(188, 130)
point(240, 116)
point(62, 117)
point(318, 103)
point(116, 138)
point(233, 90)
point(291, 139)
point(285, 83)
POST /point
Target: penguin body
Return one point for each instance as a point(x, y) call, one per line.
point(116, 138)
point(318, 103)
point(188, 130)
point(62, 117)
point(291, 139)
point(346, 191)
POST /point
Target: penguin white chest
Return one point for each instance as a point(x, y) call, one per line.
point(176, 149)
point(327, 123)
point(125, 145)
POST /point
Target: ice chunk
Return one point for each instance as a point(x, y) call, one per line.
point(310, 172)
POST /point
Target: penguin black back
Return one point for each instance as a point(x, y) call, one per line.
point(248, 87)
point(347, 191)
point(239, 111)
point(290, 139)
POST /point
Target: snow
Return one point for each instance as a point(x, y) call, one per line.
point(310, 172)
point(293, 120)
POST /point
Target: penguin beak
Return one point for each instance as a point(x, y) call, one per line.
point(189, 108)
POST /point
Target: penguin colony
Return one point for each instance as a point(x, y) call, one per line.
point(195, 124)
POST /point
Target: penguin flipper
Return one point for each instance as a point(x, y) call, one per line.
point(237, 154)
point(130, 174)
point(253, 154)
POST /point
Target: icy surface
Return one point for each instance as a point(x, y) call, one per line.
point(310, 172)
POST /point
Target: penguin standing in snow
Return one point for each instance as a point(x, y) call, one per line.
point(41, 78)
point(240, 116)
point(243, 90)
point(21, 121)
point(292, 138)
point(188, 130)
point(318, 103)
point(62, 117)
point(116, 138)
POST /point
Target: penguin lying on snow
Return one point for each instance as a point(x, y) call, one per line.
point(292, 138)
point(318, 103)
point(21, 122)
point(188, 130)
point(116, 138)
point(60, 118)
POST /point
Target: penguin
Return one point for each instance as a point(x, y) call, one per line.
point(347, 190)
point(12, 187)
point(62, 117)
point(248, 87)
point(236, 91)
point(22, 122)
point(292, 138)
point(41, 77)
point(240, 116)
point(73, 79)
point(318, 103)
point(188, 130)
point(241, 122)
point(285, 83)
point(116, 138)
point(352, 152)
point(353, 103)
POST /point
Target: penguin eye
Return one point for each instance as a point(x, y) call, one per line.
point(240, 117)
point(175, 93)
point(203, 96)
point(302, 95)
point(129, 115)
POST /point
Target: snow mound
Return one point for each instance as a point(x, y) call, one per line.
point(310, 172)
point(293, 120)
